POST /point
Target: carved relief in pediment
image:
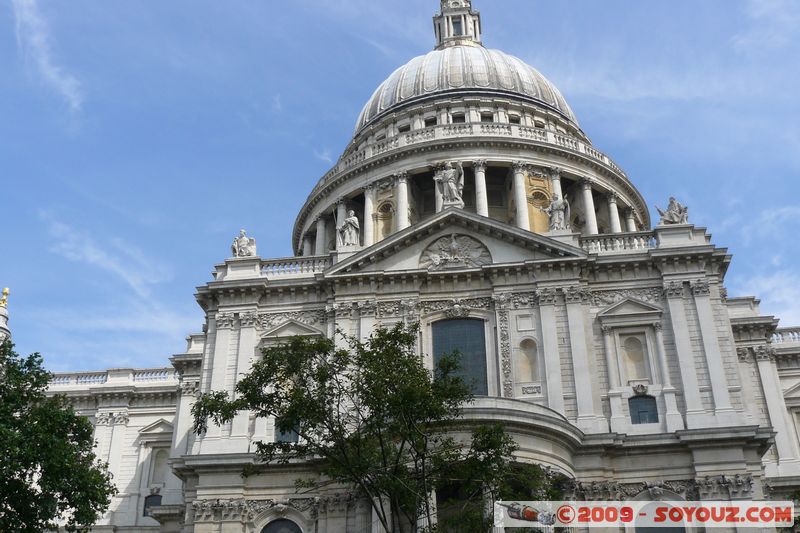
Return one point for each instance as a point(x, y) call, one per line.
point(455, 251)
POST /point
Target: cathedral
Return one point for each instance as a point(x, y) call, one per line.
point(469, 200)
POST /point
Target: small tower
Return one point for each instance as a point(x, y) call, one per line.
point(4, 331)
point(457, 24)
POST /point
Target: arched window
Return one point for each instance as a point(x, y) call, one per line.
point(644, 410)
point(468, 337)
point(159, 470)
point(282, 525)
point(385, 220)
point(528, 362)
point(154, 500)
point(635, 358)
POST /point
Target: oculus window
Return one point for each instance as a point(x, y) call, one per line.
point(468, 337)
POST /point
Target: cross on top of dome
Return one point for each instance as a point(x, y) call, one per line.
point(457, 25)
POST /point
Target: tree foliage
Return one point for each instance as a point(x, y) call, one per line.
point(49, 474)
point(375, 419)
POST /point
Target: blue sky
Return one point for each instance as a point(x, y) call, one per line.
point(138, 137)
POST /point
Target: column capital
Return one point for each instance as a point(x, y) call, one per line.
point(401, 177)
point(587, 183)
point(225, 320)
point(658, 326)
point(520, 166)
point(612, 197)
point(607, 330)
point(547, 296)
point(576, 295)
point(701, 288)
point(673, 289)
point(555, 173)
point(479, 165)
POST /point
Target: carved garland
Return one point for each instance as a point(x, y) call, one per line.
point(709, 487)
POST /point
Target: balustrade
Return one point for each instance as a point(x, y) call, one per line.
point(787, 336)
point(619, 242)
point(294, 267)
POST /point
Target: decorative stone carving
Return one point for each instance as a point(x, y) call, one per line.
point(248, 510)
point(533, 390)
point(701, 288)
point(455, 251)
point(640, 389)
point(547, 296)
point(450, 184)
point(524, 300)
point(725, 487)
point(479, 165)
point(225, 320)
point(243, 246)
point(249, 319)
point(502, 300)
point(121, 419)
point(309, 318)
point(505, 352)
point(764, 353)
point(367, 308)
point(350, 230)
point(456, 308)
point(560, 213)
point(576, 295)
point(103, 419)
point(613, 491)
point(673, 289)
point(674, 214)
point(190, 387)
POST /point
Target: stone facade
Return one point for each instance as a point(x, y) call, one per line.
point(581, 321)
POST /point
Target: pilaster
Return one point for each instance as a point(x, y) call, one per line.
point(369, 214)
point(322, 239)
point(552, 358)
point(619, 422)
point(673, 416)
point(248, 338)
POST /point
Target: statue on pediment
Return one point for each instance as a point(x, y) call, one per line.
point(243, 246)
point(559, 212)
point(350, 230)
point(450, 183)
point(676, 213)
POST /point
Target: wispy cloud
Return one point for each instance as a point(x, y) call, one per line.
point(324, 155)
point(33, 39)
point(775, 24)
point(779, 292)
point(772, 222)
point(277, 103)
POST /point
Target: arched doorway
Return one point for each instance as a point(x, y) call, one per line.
point(282, 525)
point(650, 512)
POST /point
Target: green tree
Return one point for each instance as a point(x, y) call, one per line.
point(49, 474)
point(372, 417)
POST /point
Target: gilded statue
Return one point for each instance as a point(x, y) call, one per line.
point(4, 299)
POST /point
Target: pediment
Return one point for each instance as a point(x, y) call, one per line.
point(456, 240)
point(630, 310)
point(290, 328)
point(793, 392)
point(158, 431)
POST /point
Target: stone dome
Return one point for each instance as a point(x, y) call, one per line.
point(463, 69)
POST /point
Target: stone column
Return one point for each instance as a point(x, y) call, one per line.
point(555, 180)
point(695, 413)
point(630, 220)
point(223, 322)
point(673, 416)
point(248, 338)
point(189, 388)
point(619, 422)
point(119, 422)
point(308, 246)
point(581, 361)
point(613, 213)
point(403, 219)
point(481, 195)
point(438, 196)
point(552, 358)
point(588, 207)
point(716, 367)
point(521, 196)
point(322, 238)
point(369, 213)
point(776, 407)
point(341, 215)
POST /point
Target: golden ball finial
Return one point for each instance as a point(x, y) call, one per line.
point(4, 299)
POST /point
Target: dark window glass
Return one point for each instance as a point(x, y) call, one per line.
point(468, 337)
point(459, 118)
point(282, 526)
point(154, 500)
point(458, 29)
point(487, 117)
point(514, 119)
point(644, 410)
point(431, 122)
point(404, 128)
point(287, 436)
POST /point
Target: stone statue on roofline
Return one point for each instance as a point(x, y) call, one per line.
point(676, 213)
point(450, 183)
point(350, 231)
point(243, 246)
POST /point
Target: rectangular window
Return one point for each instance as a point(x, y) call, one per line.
point(431, 122)
point(405, 128)
point(514, 119)
point(459, 118)
point(468, 338)
point(290, 436)
point(487, 117)
point(458, 29)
